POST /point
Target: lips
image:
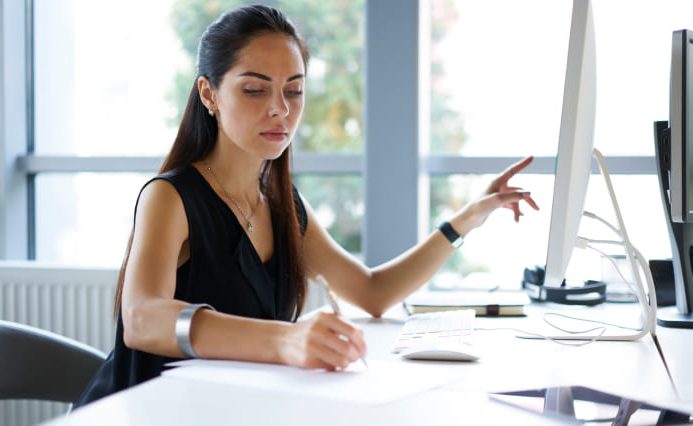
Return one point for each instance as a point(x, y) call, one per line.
point(275, 135)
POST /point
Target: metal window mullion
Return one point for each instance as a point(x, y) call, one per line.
point(30, 129)
point(31, 216)
point(14, 139)
point(330, 164)
point(303, 164)
point(391, 163)
point(29, 69)
point(446, 165)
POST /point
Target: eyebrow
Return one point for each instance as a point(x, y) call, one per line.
point(267, 78)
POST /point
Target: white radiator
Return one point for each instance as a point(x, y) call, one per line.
point(73, 302)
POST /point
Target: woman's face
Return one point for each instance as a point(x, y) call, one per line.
point(259, 102)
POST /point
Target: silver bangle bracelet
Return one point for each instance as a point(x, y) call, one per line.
point(183, 324)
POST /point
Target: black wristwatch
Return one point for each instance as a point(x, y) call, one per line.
point(455, 239)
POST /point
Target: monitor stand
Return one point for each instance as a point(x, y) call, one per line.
point(670, 316)
point(647, 299)
point(681, 238)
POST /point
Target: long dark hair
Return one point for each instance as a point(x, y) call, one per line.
point(197, 134)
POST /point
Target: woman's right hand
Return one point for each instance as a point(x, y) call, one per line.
point(498, 194)
point(322, 341)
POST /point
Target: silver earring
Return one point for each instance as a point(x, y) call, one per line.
point(210, 112)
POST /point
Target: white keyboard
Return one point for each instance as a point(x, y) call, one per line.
point(444, 329)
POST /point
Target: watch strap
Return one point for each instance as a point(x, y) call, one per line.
point(449, 232)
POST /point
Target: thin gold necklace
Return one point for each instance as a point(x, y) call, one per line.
point(247, 217)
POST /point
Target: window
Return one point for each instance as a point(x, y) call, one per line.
point(493, 62)
point(109, 89)
point(82, 219)
point(497, 71)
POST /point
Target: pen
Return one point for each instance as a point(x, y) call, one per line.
point(333, 302)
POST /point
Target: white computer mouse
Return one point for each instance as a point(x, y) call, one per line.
point(438, 353)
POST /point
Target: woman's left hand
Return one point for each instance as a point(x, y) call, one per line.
point(498, 194)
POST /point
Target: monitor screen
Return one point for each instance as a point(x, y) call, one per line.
point(575, 143)
point(680, 122)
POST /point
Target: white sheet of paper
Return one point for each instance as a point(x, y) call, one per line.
point(381, 382)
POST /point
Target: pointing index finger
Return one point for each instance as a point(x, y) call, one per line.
point(516, 168)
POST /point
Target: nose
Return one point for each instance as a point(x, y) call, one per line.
point(278, 107)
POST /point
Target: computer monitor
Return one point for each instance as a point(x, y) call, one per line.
point(573, 169)
point(575, 144)
point(674, 149)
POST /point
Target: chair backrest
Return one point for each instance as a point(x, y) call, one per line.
point(38, 364)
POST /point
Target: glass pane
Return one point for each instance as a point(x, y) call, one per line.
point(498, 69)
point(338, 204)
point(85, 218)
point(633, 64)
point(104, 88)
point(505, 248)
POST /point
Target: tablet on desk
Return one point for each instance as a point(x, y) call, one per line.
point(583, 405)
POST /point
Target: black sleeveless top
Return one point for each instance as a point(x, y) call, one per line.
point(224, 270)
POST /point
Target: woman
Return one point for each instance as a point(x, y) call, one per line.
point(222, 227)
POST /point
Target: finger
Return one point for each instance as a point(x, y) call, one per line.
point(338, 327)
point(334, 359)
point(510, 207)
point(518, 213)
point(507, 198)
point(322, 342)
point(516, 168)
point(353, 334)
point(340, 345)
point(319, 358)
point(529, 200)
point(508, 173)
point(527, 197)
point(315, 362)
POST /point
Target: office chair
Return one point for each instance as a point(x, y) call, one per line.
point(38, 364)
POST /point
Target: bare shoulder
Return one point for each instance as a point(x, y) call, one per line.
point(161, 208)
point(159, 234)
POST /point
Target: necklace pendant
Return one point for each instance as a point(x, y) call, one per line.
point(250, 227)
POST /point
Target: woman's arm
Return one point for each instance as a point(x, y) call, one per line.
point(150, 312)
point(148, 308)
point(376, 289)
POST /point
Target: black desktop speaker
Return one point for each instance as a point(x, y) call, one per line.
point(590, 294)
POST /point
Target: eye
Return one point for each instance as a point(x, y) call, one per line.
point(294, 92)
point(253, 92)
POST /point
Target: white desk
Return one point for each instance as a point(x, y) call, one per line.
point(631, 369)
point(677, 344)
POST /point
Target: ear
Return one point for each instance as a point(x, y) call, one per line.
point(207, 94)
